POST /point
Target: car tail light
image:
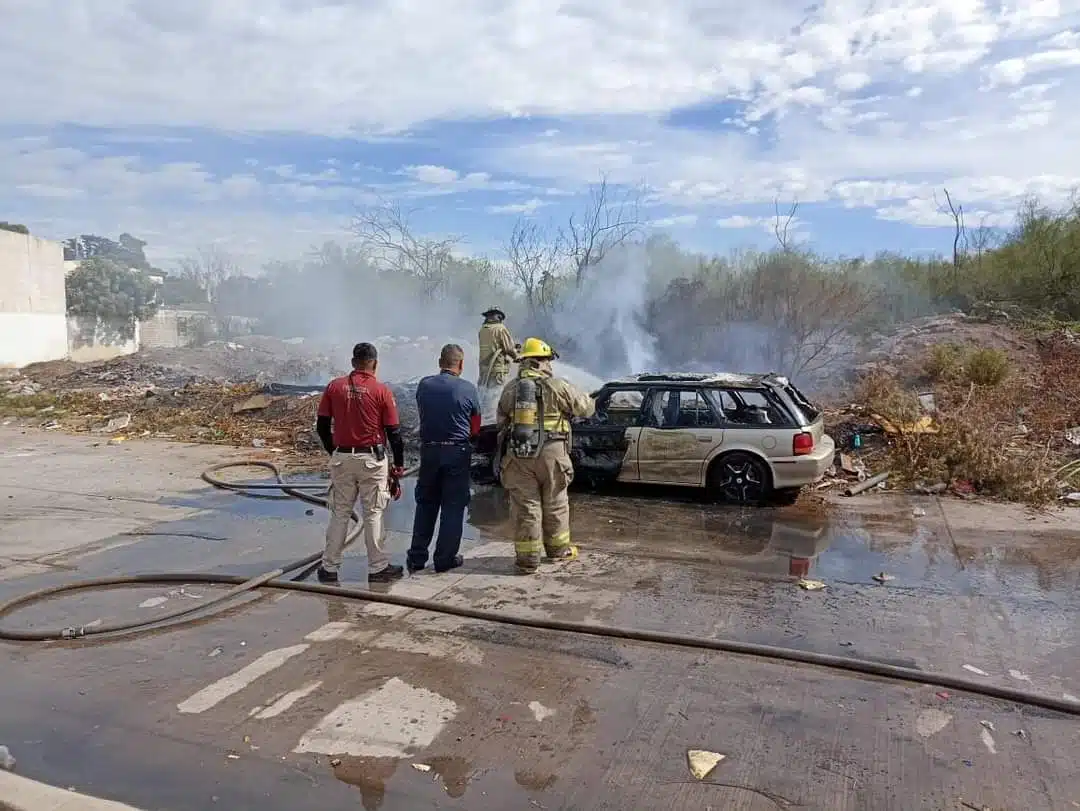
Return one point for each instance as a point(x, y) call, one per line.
point(803, 444)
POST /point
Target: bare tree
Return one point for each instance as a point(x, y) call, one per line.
point(959, 248)
point(812, 312)
point(209, 268)
point(605, 224)
point(782, 224)
point(535, 258)
point(387, 239)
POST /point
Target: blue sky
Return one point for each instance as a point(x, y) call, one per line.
point(264, 126)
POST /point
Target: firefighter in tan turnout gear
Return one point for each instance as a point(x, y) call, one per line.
point(497, 350)
point(534, 415)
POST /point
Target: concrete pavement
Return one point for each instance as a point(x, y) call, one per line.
point(297, 701)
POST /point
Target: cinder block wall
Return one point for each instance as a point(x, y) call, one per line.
point(33, 307)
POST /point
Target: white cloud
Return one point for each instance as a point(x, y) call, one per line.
point(1010, 72)
point(740, 221)
point(436, 175)
point(675, 221)
point(850, 82)
point(322, 66)
point(527, 208)
point(858, 103)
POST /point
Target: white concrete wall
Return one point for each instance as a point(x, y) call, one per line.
point(33, 320)
point(171, 328)
point(94, 341)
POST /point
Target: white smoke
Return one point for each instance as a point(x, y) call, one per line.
point(605, 318)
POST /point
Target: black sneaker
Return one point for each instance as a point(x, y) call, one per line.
point(415, 567)
point(386, 575)
point(329, 578)
point(457, 561)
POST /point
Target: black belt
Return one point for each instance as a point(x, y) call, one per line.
point(357, 448)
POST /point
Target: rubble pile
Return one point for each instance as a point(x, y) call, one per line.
point(924, 411)
point(222, 393)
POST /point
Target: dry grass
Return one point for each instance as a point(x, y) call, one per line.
point(980, 440)
point(950, 363)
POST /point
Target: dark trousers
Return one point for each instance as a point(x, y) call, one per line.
point(442, 485)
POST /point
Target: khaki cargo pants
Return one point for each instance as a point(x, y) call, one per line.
point(539, 504)
point(354, 475)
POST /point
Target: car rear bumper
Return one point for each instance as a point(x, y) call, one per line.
point(796, 471)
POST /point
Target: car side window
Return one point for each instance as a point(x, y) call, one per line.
point(679, 408)
point(747, 407)
point(619, 407)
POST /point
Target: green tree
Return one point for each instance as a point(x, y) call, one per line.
point(14, 227)
point(127, 252)
point(115, 296)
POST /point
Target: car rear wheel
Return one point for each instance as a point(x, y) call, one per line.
point(739, 478)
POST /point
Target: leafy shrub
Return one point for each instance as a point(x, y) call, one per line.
point(987, 367)
point(944, 362)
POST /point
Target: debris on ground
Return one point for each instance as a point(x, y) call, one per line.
point(881, 577)
point(968, 406)
point(811, 585)
point(702, 762)
point(260, 394)
point(7, 762)
point(421, 767)
point(975, 670)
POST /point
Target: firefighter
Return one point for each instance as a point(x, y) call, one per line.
point(534, 413)
point(497, 350)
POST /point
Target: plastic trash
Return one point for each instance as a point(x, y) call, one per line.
point(7, 762)
point(702, 762)
point(811, 585)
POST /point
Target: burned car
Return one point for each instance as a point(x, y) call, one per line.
point(743, 438)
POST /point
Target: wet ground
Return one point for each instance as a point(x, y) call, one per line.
point(296, 701)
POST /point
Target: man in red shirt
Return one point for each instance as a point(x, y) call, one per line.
point(358, 417)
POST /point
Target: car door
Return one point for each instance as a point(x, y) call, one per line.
point(679, 433)
point(604, 446)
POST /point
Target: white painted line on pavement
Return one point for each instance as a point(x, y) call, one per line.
point(395, 720)
point(23, 794)
point(214, 694)
point(332, 630)
point(286, 701)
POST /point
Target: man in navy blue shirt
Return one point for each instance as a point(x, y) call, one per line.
point(449, 417)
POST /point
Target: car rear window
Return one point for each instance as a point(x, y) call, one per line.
point(808, 409)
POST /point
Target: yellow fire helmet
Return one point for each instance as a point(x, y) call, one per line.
point(536, 348)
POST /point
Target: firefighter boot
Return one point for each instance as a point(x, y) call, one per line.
point(564, 555)
point(526, 562)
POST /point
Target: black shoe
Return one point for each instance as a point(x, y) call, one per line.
point(457, 561)
point(329, 578)
point(415, 567)
point(386, 575)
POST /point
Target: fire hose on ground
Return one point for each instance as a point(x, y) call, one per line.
point(277, 579)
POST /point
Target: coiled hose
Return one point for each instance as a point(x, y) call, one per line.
point(276, 579)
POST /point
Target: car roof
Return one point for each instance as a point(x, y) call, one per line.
point(729, 379)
